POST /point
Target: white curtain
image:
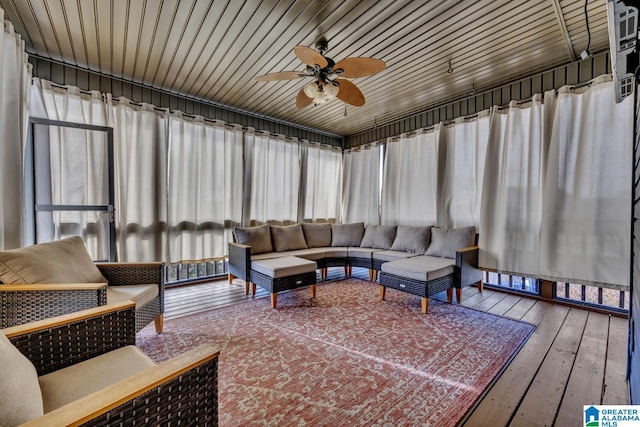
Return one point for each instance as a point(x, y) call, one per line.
point(15, 79)
point(513, 182)
point(272, 178)
point(321, 182)
point(361, 184)
point(140, 151)
point(72, 165)
point(586, 218)
point(204, 186)
point(466, 148)
point(412, 179)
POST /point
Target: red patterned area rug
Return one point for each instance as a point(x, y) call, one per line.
point(345, 358)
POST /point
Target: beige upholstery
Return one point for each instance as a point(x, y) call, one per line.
point(140, 294)
point(336, 252)
point(347, 234)
point(446, 241)
point(20, 398)
point(378, 236)
point(422, 268)
point(317, 235)
point(392, 255)
point(79, 380)
point(284, 267)
point(49, 263)
point(288, 238)
point(259, 238)
point(364, 253)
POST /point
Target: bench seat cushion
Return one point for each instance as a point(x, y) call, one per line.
point(140, 294)
point(79, 380)
point(422, 268)
point(336, 252)
point(284, 267)
point(392, 255)
point(364, 253)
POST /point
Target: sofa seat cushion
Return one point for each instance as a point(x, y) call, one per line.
point(20, 397)
point(62, 261)
point(392, 255)
point(422, 268)
point(364, 253)
point(140, 294)
point(284, 267)
point(336, 252)
point(310, 254)
point(79, 380)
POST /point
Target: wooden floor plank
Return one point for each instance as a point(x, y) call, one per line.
point(520, 308)
point(537, 312)
point(477, 298)
point(505, 305)
point(540, 404)
point(488, 303)
point(616, 388)
point(587, 376)
point(503, 398)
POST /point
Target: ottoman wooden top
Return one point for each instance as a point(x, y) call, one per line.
point(284, 267)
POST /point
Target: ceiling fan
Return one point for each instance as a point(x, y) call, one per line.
point(329, 77)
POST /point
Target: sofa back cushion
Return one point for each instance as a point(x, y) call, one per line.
point(347, 234)
point(20, 396)
point(378, 236)
point(259, 238)
point(317, 235)
point(288, 238)
point(446, 241)
point(62, 261)
point(411, 239)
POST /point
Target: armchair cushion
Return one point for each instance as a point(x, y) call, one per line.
point(140, 294)
point(288, 238)
point(259, 238)
point(62, 261)
point(412, 239)
point(79, 380)
point(347, 234)
point(317, 235)
point(20, 398)
point(446, 241)
point(378, 236)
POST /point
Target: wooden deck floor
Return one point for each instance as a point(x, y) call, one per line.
point(575, 357)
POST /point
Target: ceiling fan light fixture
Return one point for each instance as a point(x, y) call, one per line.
point(331, 90)
point(310, 89)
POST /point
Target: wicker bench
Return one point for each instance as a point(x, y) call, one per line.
point(282, 274)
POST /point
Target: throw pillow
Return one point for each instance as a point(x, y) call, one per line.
point(446, 241)
point(20, 396)
point(62, 261)
point(378, 236)
point(317, 235)
point(288, 238)
point(259, 238)
point(411, 239)
point(347, 234)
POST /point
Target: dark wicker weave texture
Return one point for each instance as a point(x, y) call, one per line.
point(190, 399)
point(416, 287)
point(283, 283)
point(332, 262)
point(360, 262)
point(466, 268)
point(19, 307)
point(67, 344)
point(135, 274)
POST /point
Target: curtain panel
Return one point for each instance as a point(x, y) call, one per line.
point(271, 178)
point(204, 186)
point(412, 179)
point(586, 221)
point(72, 165)
point(15, 80)
point(140, 151)
point(362, 173)
point(321, 186)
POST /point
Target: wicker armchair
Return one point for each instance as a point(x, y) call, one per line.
point(183, 388)
point(54, 287)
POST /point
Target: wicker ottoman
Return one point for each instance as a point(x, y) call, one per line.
point(282, 274)
point(423, 276)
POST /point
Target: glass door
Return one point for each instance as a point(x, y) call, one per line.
point(72, 183)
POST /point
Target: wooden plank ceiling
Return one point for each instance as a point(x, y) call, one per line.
point(213, 49)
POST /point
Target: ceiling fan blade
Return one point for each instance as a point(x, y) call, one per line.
point(302, 100)
point(284, 75)
point(349, 93)
point(310, 56)
point(359, 67)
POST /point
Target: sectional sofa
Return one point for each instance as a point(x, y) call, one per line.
point(420, 260)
